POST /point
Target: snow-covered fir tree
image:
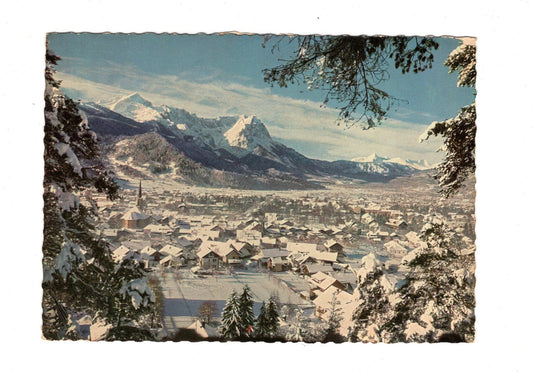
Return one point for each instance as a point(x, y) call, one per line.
point(231, 320)
point(267, 322)
point(80, 277)
point(372, 301)
point(298, 327)
point(438, 296)
point(335, 314)
point(262, 324)
point(459, 133)
point(246, 309)
point(273, 317)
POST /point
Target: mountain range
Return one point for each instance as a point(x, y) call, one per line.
point(228, 151)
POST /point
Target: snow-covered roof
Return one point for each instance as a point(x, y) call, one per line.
point(330, 243)
point(171, 250)
point(134, 214)
point(393, 245)
point(324, 256)
point(148, 251)
point(271, 241)
point(301, 247)
point(274, 253)
point(221, 249)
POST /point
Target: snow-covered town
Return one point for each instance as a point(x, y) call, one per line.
point(308, 250)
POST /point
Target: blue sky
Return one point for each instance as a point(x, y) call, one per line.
point(214, 75)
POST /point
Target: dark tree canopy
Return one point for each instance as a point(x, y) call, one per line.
point(459, 133)
point(80, 275)
point(350, 70)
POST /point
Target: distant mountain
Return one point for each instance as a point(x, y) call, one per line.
point(150, 155)
point(236, 145)
point(376, 159)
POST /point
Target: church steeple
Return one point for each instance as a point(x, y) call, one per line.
point(140, 195)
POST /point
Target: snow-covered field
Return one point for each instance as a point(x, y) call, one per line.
point(184, 292)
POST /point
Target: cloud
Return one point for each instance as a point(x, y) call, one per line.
point(304, 124)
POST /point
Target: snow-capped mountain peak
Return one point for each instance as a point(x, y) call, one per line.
point(376, 159)
point(247, 133)
point(372, 158)
point(135, 107)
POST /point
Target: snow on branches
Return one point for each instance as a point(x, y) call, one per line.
point(459, 133)
point(140, 293)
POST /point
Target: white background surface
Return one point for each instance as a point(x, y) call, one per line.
point(504, 200)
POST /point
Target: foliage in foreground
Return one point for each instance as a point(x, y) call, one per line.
point(80, 275)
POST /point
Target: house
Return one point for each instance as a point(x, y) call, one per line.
point(150, 256)
point(268, 243)
point(135, 219)
point(170, 250)
point(153, 229)
point(395, 249)
point(265, 254)
point(172, 261)
point(278, 264)
point(324, 257)
point(124, 253)
point(297, 259)
point(333, 246)
point(346, 278)
point(226, 253)
point(248, 235)
point(321, 281)
point(312, 268)
point(208, 259)
point(245, 249)
point(397, 224)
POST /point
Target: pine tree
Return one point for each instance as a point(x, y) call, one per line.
point(459, 133)
point(438, 296)
point(372, 302)
point(80, 276)
point(273, 317)
point(262, 324)
point(231, 320)
point(298, 327)
point(246, 309)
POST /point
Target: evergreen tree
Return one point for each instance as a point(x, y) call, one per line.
point(372, 301)
point(262, 324)
point(246, 309)
point(298, 327)
point(438, 296)
point(335, 316)
point(80, 276)
point(273, 317)
point(231, 320)
point(334, 321)
point(267, 322)
point(459, 133)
